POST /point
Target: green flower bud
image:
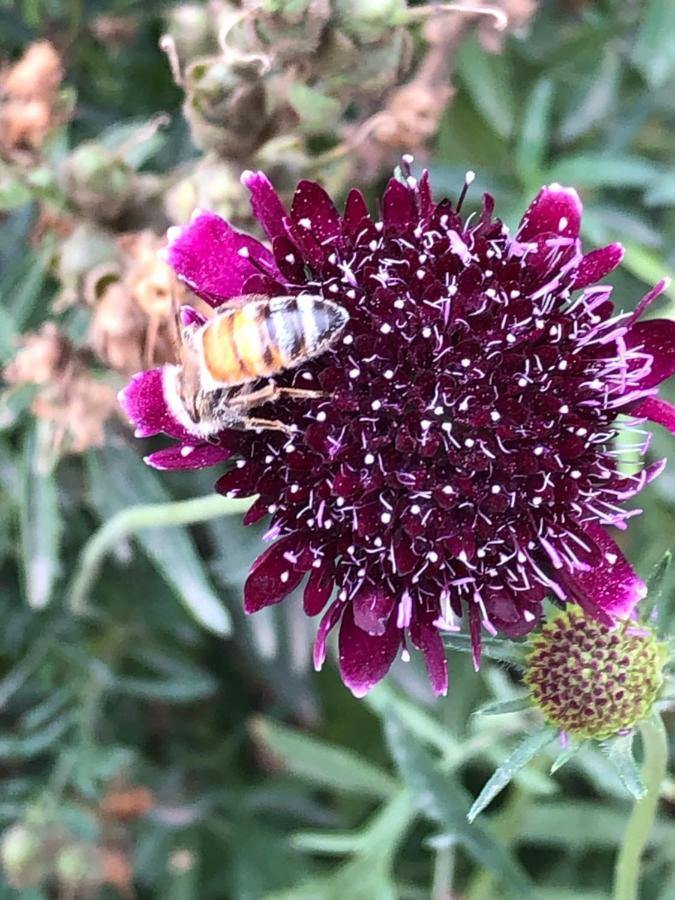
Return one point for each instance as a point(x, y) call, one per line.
point(226, 106)
point(213, 184)
point(98, 182)
point(79, 866)
point(85, 248)
point(593, 681)
point(23, 858)
point(369, 21)
point(191, 27)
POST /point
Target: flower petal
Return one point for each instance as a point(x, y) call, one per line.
point(372, 609)
point(612, 586)
point(648, 299)
point(328, 622)
point(215, 260)
point(144, 403)
point(555, 209)
point(274, 574)
point(364, 658)
point(311, 204)
point(656, 337)
point(188, 456)
point(426, 637)
point(265, 203)
point(656, 410)
point(319, 587)
point(596, 265)
point(398, 205)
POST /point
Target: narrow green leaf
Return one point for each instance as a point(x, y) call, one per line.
point(566, 755)
point(328, 843)
point(502, 650)
point(592, 170)
point(513, 763)
point(593, 98)
point(445, 801)
point(654, 50)
point(120, 480)
point(40, 522)
point(655, 592)
point(487, 79)
point(422, 724)
point(29, 746)
point(533, 138)
point(322, 763)
point(500, 707)
point(619, 751)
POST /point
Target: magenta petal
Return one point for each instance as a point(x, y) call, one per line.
point(555, 209)
point(188, 456)
point(372, 609)
point(597, 265)
point(648, 299)
point(425, 636)
point(319, 587)
point(364, 658)
point(143, 402)
point(355, 208)
point(398, 205)
point(265, 203)
point(612, 586)
point(313, 210)
point(214, 259)
point(328, 622)
point(273, 575)
point(656, 337)
point(656, 410)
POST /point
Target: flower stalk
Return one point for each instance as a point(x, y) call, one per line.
point(641, 821)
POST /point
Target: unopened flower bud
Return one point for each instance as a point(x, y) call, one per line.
point(290, 29)
point(79, 867)
point(593, 681)
point(226, 106)
point(214, 185)
point(369, 20)
point(22, 856)
point(98, 182)
point(191, 27)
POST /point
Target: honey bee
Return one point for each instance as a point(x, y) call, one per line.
point(252, 337)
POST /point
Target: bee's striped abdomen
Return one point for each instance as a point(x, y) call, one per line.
point(267, 335)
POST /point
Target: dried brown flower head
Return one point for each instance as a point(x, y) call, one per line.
point(29, 100)
point(74, 402)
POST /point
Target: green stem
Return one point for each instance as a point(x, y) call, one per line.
point(128, 521)
point(641, 821)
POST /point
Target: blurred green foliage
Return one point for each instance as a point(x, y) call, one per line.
point(270, 781)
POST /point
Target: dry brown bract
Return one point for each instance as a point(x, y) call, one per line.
point(133, 308)
point(69, 397)
point(29, 100)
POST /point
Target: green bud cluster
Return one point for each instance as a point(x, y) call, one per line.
point(593, 681)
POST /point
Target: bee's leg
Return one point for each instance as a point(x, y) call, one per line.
point(251, 423)
point(269, 393)
point(298, 392)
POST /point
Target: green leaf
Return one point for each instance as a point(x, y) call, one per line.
point(657, 598)
point(591, 103)
point(317, 112)
point(31, 745)
point(487, 79)
point(492, 648)
point(534, 134)
point(654, 50)
point(513, 763)
point(320, 762)
point(119, 480)
point(565, 756)
point(619, 751)
point(500, 707)
point(40, 522)
point(593, 170)
point(445, 801)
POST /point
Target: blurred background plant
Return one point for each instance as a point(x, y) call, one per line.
point(152, 741)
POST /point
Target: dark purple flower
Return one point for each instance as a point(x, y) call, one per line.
point(460, 461)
